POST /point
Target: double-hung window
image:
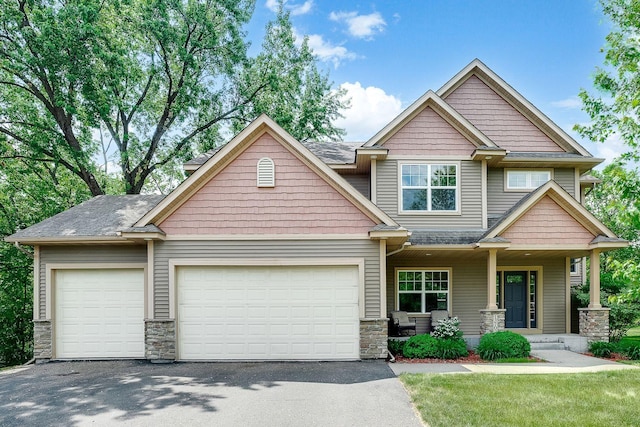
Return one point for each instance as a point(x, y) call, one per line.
point(518, 179)
point(421, 291)
point(429, 187)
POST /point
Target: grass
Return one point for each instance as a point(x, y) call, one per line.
point(632, 337)
point(598, 399)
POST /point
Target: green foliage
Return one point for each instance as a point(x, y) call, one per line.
point(602, 349)
point(425, 346)
point(615, 108)
point(396, 347)
point(503, 345)
point(447, 328)
point(632, 351)
point(157, 80)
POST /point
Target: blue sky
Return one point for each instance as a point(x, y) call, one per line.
point(388, 53)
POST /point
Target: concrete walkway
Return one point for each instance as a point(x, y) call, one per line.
point(557, 362)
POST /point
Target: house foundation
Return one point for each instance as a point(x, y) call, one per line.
point(160, 340)
point(42, 341)
point(373, 338)
point(492, 320)
point(594, 324)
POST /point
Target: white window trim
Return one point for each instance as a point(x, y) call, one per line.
point(523, 189)
point(457, 164)
point(577, 264)
point(265, 173)
point(449, 270)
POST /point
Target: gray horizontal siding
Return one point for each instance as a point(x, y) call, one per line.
point(360, 182)
point(116, 254)
point(387, 188)
point(469, 288)
point(500, 201)
point(316, 249)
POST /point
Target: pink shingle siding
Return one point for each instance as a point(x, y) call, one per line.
point(300, 203)
point(497, 119)
point(547, 223)
point(428, 133)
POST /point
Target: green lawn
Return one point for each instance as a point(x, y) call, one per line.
point(600, 399)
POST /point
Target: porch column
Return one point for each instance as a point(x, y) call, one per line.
point(491, 279)
point(492, 318)
point(594, 287)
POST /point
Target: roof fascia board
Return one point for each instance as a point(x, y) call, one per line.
point(448, 113)
point(564, 199)
point(84, 240)
point(519, 102)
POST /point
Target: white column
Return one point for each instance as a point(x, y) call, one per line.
point(491, 279)
point(594, 287)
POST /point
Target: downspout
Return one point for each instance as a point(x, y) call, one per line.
point(402, 248)
point(27, 253)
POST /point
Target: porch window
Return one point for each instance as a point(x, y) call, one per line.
point(421, 291)
point(574, 268)
point(519, 179)
point(429, 187)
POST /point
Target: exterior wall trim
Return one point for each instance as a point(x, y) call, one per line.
point(36, 282)
point(149, 282)
point(284, 262)
point(567, 295)
point(483, 195)
point(383, 278)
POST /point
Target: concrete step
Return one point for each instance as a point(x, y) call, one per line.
point(547, 346)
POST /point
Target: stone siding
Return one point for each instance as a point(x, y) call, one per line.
point(160, 340)
point(373, 338)
point(492, 320)
point(42, 345)
point(594, 324)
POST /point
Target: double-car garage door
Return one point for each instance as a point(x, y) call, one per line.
point(223, 313)
point(267, 312)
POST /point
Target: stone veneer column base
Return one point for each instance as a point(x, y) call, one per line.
point(373, 338)
point(594, 324)
point(160, 340)
point(42, 341)
point(492, 320)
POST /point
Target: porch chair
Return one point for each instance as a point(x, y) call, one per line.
point(402, 323)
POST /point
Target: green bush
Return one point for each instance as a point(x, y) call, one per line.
point(428, 347)
point(396, 347)
point(503, 345)
point(421, 347)
point(452, 348)
point(632, 351)
point(602, 349)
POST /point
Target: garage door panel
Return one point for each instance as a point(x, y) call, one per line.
point(99, 313)
point(268, 312)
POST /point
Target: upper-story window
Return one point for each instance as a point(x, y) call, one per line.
point(525, 180)
point(429, 187)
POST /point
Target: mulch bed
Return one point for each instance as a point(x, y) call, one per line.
point(615, 357)
point(472, 358)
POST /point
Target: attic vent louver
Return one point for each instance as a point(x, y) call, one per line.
point(266, 173)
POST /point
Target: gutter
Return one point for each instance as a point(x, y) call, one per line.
point(402, 248)
point(18, 247)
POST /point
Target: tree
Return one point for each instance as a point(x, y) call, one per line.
point(615, 109)
point(159, 78)
point(29, 192)
point(299, 97)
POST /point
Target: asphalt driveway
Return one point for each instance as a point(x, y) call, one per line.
point(198, 394)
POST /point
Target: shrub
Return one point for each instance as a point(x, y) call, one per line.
point(447, 328)
point(421, 347)
point(451, 348)
point(503, 345)
point(396, 347)
point(632, 351)
point(602, 349)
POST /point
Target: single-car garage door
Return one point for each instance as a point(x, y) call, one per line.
point(265, 312)
point(99, 313)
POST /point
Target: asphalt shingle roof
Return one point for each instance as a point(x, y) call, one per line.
point(100, 216)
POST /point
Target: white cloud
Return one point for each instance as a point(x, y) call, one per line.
point(572, 103)
point(324, 50)
point(360, 26)
point(371, 109)
point(295, 9)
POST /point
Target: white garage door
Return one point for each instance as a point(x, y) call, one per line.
point(263, 313)
point(99, 313)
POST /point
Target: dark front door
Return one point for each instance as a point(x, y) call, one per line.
point(515, 299)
